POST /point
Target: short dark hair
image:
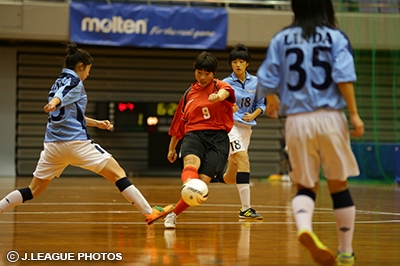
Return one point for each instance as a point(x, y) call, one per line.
point(206, 61)
point(76, 55)
point(239, 51)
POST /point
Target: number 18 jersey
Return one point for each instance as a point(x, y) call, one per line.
point(306, 72)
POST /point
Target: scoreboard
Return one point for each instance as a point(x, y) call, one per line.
point(137, 116)
point(153, 118)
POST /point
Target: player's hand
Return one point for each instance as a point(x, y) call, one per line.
point(235, 108)
point(105, 124)
point(272, 110)
point(52, 105)
point(214, 97)
point(273, 103)
point(49, 108)
point(248, 117)
point(358, 126)
point(172, 155)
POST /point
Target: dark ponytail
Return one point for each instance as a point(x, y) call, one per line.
point(240, 51)
point(77, 55)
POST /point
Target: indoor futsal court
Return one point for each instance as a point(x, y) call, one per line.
point(86, 221)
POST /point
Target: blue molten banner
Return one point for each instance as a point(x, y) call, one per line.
point(148, 26)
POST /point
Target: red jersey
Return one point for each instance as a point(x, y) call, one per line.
point(201, 114)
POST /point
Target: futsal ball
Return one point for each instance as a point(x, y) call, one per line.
point(194, 192)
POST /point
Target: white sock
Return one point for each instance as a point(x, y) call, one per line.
point(244, 194)
point(303, 210)
point(345, 218)
point(133, 195)
point(13, 199)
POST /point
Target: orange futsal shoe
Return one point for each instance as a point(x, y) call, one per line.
point(157, 213)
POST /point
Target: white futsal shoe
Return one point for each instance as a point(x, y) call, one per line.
point(170, 221)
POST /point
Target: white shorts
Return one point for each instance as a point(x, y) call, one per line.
point(56, 156)
point(318, 139)
point(239, 137)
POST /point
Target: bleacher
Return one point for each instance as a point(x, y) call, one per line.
point(376, 90)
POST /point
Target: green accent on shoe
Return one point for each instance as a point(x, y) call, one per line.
point(345, 259)
point(158, 208)
point(250, 214)
point(319, 252)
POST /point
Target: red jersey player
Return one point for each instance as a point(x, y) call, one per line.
point(202, 120)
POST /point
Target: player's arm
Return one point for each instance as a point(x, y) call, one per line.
point(257, 112)
point(258, 109)
point(225, 92)
point(273, 103)
point(102, 124)
point(347, 90)
point(221, 95)
point(172, 155)
point(177, 129)
point(52, 105)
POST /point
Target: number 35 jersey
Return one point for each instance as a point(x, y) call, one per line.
point(68, 121)
point(306, 72)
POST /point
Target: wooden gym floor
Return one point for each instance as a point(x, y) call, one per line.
point(86, 221)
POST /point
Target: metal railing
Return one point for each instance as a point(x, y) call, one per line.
point(367, 6)
point(224, 3)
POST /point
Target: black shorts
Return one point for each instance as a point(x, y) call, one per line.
point(211, 146)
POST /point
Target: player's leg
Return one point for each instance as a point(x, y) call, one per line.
point(338, 164)
point(196, 154)
point(305, 170)
point(303, 149)
point(229, 177)
point(113, 172)
point(344, 213)
point(192, 149)
point(19, 196)
point(48, 167)
point(303, 209)
point(303, 204)
point(243, 178)
point(242, 181)
point(93, 157)
point(180, 207)
point(239, 161)
point(191, 163)
point(236, 144)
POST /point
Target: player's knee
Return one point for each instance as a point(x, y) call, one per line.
point(306, 192)
point(342, 199)
point(242, 178)
point(123, 183)
point(35, 188)
point(242, 161)
point(26, 193)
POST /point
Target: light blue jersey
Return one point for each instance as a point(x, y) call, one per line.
point(68, 121)
point(246, 97)
point(307, 72)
